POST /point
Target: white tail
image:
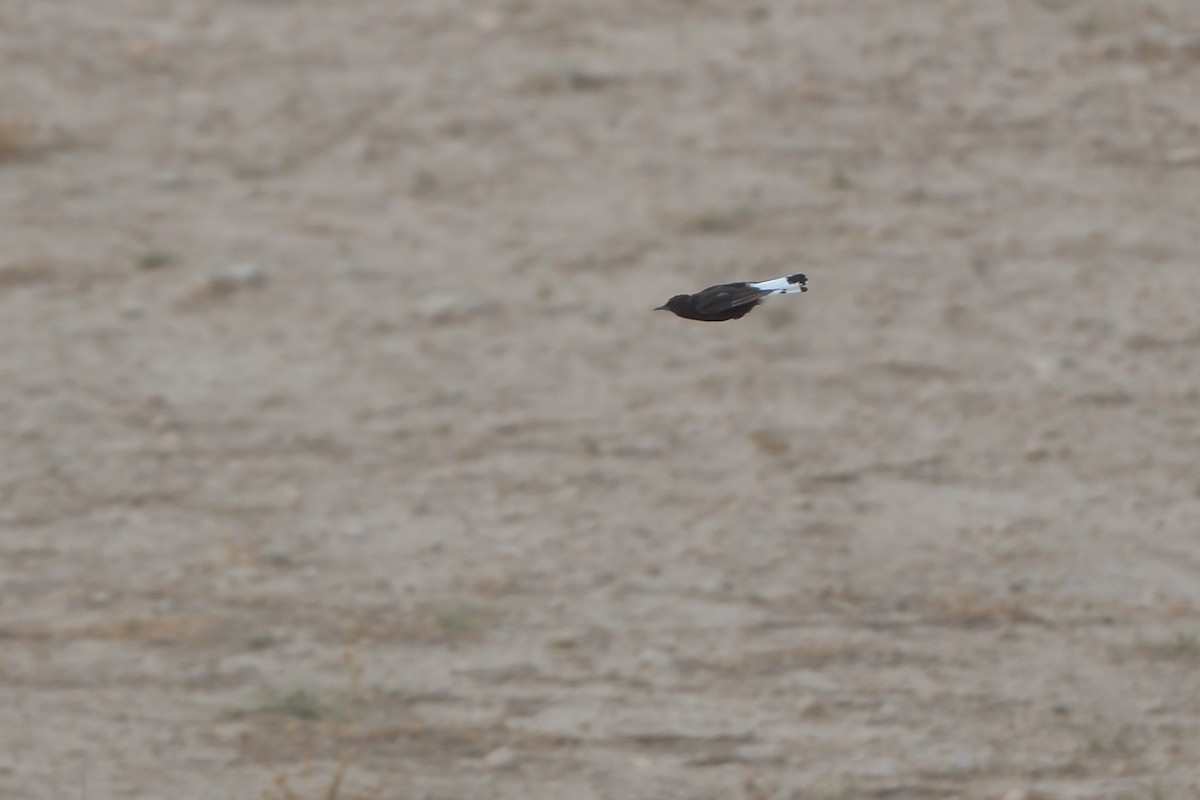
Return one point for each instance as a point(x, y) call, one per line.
point(788, 285)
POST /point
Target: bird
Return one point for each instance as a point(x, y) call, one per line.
point(731, 300)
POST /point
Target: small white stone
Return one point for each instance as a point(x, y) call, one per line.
point(654, 657)
point(806, 703)
point(243, 666)
point(564, 639)
point(442, 306)
point(171, 179)
point(768, 751)
point(500, 758)
point(352, 269)
point(1183, 155)
point(245, 273)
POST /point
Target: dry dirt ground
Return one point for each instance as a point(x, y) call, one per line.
point(338, 430)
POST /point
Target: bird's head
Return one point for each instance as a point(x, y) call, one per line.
point(675, 303)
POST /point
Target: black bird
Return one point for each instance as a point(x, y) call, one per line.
point(731, 300)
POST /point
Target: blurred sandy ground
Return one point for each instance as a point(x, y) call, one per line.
point(337, 425)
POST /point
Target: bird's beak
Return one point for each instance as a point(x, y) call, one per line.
point(660, 308)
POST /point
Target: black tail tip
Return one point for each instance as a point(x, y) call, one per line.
point(799, 278)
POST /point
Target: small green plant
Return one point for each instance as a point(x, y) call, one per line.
point(1181, 646)
point(839, 178)
point(1110, 741)
point(725, 221)
point(155, 258)
point(457, 619)
point(298, 703)
point(261, 641)
point(250, 169)
point(1087, 25)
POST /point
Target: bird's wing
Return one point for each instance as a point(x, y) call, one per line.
point(715, 299)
